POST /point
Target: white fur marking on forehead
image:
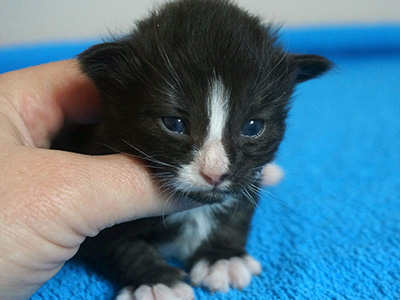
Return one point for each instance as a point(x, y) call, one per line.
point(211, 160)
point(217, 109)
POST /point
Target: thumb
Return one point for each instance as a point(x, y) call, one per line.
point(51, 200)
point(112, 189)
point(77, 194)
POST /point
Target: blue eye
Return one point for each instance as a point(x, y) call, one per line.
point(174, 124)
point(253, 128)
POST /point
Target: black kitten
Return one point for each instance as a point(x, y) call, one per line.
point(200, 91)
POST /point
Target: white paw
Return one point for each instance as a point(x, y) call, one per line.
point(180, 291)
point(235, 272)
point(272, 174)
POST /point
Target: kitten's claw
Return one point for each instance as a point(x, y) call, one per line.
point(235, 272)
point(180, 291)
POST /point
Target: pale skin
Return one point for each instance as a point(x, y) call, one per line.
point(50, 201)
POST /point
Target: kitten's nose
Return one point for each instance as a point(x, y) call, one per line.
point(214, 179)
point(213, 163)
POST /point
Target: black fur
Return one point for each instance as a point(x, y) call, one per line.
point(163, 68)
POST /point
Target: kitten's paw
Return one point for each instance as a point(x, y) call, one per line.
point(235, 272)
point(180, 291)
point(272, 174)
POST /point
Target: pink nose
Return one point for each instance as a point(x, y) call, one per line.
point(214, 179)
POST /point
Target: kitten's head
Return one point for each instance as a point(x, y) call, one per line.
point(200, 90)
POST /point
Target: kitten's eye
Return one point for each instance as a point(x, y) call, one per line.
point(253, 128)
point(174, 124)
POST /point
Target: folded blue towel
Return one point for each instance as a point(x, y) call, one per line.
point(331, 229)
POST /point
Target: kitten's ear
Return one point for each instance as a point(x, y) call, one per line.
point(108, 63)
point(309, 66)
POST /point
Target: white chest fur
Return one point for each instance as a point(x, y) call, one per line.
point(197, 225)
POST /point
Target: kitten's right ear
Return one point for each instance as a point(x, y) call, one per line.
point(107, 63)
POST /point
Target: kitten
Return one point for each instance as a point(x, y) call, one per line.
point(200, 91)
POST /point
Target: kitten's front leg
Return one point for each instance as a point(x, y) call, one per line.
point(147, 276)
point(221, 261)
point(136, 265)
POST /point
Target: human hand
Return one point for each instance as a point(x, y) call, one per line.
point(51, 200)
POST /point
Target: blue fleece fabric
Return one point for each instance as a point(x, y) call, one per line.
point(331, 229)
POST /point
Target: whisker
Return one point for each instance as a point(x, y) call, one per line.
point(165, 206)
point(234, 212)
point(269, 195)
point(169, 64)
point(155, 69)
point(146, 156)
point(249, 196)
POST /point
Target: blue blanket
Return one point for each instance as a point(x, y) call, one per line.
point(331, 229)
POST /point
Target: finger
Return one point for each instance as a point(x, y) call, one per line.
point(45, 96)
point(86, 193)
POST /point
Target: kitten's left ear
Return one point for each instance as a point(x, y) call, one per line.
point(309, 66)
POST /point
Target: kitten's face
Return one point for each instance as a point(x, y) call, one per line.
point(228, 140)
point(205, 107)
point(208, 135)
point(211, 143)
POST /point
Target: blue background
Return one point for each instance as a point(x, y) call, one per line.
point(331, 229)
